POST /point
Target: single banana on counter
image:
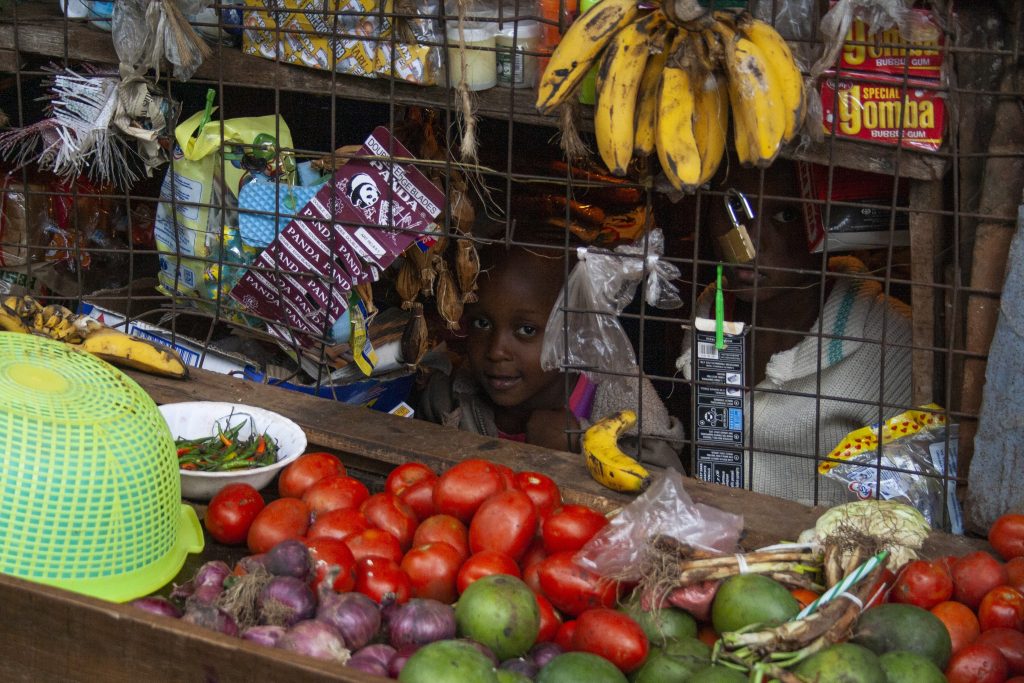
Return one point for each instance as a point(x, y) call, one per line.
point(674, 132)
point(758, 113)
point(608, 465)
point(788, 78)
point(579, 49)
point(119, 348)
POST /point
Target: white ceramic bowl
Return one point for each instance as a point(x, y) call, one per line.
point(196, 419)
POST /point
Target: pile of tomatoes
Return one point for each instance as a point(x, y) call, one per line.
point(980, 599)
point(430, 536)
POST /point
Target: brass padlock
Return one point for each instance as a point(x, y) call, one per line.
point(736, 245)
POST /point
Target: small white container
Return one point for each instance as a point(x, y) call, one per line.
point(479, 55)
point(516, 69)
point(196, 419)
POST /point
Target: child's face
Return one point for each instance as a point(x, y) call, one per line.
point(506, 332)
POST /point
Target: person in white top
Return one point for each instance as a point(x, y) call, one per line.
point(809, 390)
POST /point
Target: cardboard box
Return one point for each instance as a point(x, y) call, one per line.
point(851, 227)
point(918, 55)
point(883, 109)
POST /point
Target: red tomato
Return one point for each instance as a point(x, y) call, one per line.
point(406, 475)
point(432, 569)
point(573, 589)
point(329, 554)
point(613, 635)
point(534, 553)
point(374, 543)
point(550, 622)
point(541, 489)
point(977, 663)
point(1007, 536)
point(392, 515)
point(420, 497)
point(563, 638)
point(379, 578)
point(231, 512)
point(335, 493)
point(922, 584)
point(1015, 573)
point(880, 591)
point(960, 621)
point(444, 529)
point(461, 490)
point(305, 471)
point(707, 635)
point(803, 596)
point(339, 524)
point(531, 577)
point(1010, 643)
point(505, 522)
point(568, 527)
point(485, 563)
point(974, 575)
point(1002, 607)
point(507, 475)
point(280, 520)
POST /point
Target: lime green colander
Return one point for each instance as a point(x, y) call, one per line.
point(90, 495)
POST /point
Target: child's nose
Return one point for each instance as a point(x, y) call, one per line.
point(498, 349)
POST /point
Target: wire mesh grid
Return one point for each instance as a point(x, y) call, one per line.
point(830, 344)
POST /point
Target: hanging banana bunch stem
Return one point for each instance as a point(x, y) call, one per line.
point(667, 80)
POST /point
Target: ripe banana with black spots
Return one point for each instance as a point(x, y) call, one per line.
point(608, 465)
point(710, 122)
point(674, 136)
point(618, 81)
point(788, 78)
point(759, 120)
point(579, 48)
point(27, 316)
point(646, 115)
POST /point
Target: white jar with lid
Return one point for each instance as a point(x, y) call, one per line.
point(515, 39)
point(479, 55)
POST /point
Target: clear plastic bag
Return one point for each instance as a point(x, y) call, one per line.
point(583, 330)
point(914, 459)
point(619, 550)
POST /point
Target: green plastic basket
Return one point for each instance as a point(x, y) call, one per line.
point(90, 496)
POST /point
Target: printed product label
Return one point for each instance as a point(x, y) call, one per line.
point(719, 420)
point(919, 54)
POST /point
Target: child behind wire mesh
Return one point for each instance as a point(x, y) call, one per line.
point(500, 388)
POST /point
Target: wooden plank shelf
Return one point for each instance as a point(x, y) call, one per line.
point(41, 30)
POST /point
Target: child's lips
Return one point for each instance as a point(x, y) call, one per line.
point(502, 382)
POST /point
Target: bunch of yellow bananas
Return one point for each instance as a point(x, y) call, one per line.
point(26, 315)
point(667, 86)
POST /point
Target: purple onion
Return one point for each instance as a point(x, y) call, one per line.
point(252, 563)
point(521, 665)
point(381, 652)
point(421, 621)
point(212, 573)
point(154, 604)
point(289, 558)
point(286, 601)
point(315, 639)
point(368, 666)
point(267, 634)
point(542, 653)
point(212, 618)
point(397, 662)
point(356, 616)
point(204, 595)
point(182, 591)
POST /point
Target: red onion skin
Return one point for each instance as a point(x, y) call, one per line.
point(213, 618)
point(315, 639)
point(542, 653)
point(368, 666)
point(421, 621)
point(289, 558)
point(266, 634)
point(286, 601)
point(397, 662)
point(154, 604)
point(204, 595)
point(212, 573)
point(484, 650)
point(249, 563)
point(523, 665)
point(380, 652)
point(356, 616)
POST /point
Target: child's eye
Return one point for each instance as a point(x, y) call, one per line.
point(786, 215)
point(527, 331)
point(480, 324)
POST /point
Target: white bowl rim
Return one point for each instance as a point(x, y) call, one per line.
point(248, 470)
